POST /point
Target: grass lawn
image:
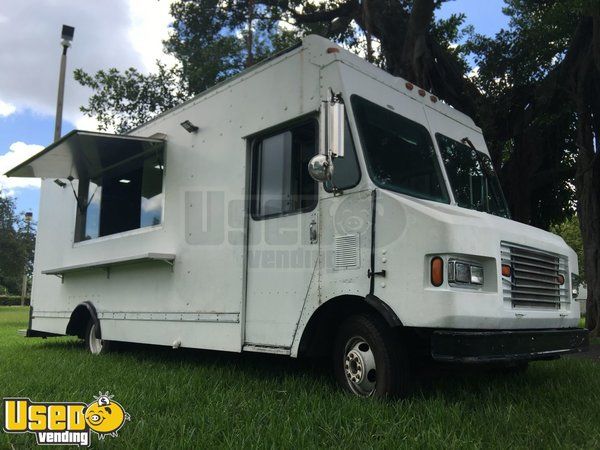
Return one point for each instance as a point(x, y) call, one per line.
point(199, 399)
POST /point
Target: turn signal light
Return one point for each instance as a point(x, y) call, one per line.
point(561, 279)
point(506, 270)
point(437, 271)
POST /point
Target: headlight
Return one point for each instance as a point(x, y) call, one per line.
point(476, 274)
point(462, 272)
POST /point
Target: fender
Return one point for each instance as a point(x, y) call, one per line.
point(77, 316)
point(383, 308)
point(321, 324)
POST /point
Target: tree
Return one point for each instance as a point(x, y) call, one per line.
point(583, 71)
point(570, 231)
point(553, 53)
point(122, 101)
point(212, 40)
point(16, 245)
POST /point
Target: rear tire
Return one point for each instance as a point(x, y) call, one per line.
point(94, 345)
point(369, 360)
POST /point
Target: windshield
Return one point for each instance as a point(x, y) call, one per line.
point(399, 152)
point(472, 177)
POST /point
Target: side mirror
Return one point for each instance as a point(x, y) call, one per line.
point(332, 132)
point(336, 115)
point(320, 168)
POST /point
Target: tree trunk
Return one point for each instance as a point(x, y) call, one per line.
point(586, 87)
point(368, 30)
point(589, 213)
point(587, 182)
point(417, 59)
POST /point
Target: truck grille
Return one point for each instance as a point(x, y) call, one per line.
point(534, 279)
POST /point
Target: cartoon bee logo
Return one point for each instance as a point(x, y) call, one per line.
point(105, 416)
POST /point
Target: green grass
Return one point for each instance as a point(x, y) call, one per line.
point(199, 399)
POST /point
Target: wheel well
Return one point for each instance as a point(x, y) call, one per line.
point(80, 317)
point(319, 334)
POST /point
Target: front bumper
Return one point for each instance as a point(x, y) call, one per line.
point(473, 346)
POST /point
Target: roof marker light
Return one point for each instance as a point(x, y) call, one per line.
point(434, 99)
point(422, 92)
point(333, 50)
point(409, 86)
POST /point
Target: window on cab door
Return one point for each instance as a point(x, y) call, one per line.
point(399, 152)
point(346, 173)
point(281, 184)
point(122, 196)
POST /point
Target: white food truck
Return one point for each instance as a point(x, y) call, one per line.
point(311, 205)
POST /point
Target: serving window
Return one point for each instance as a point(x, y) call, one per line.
point(119, 179)
point(126, 196)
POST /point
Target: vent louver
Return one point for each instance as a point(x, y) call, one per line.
point(347, 253)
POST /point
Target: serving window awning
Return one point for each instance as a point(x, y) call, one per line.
point(85, 154)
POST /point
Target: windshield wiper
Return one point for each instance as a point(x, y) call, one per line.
point(468, 142)
point(486, 171)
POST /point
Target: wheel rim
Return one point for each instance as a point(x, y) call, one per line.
point(359, 367)
point(94, 343)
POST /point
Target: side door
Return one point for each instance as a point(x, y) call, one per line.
point(282, 252)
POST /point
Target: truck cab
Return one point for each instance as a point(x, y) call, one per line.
point(450, 266)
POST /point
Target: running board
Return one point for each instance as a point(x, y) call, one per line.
point(266, 349)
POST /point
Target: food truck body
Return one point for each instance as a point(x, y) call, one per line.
point(203, 228)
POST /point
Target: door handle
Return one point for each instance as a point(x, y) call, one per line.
point(312, 231)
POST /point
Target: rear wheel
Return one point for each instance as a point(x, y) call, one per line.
point(369, 360)
point(95, 345)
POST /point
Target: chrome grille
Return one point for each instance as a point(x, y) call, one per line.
point(534, 279)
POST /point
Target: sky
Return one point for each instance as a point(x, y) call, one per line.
point(108, 33)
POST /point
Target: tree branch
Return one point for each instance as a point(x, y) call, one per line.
point(350, 8)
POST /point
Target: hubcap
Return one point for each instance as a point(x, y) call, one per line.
point(95, 343)
point(359, 367)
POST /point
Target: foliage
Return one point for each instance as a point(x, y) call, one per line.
point(570, 231)
point(212, 40)
point(11, 300)
point(530, 131)
point(200, 399)
point(122, 101)
point(17, 243)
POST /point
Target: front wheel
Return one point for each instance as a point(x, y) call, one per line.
point(369, 360)
point(95, 346)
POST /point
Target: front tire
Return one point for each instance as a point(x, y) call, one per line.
point(369, 360)
point(514, 369)
point(93, 344)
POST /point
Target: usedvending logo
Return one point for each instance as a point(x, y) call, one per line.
point(65, 423)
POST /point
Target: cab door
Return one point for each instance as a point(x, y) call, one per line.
point(282, 251)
